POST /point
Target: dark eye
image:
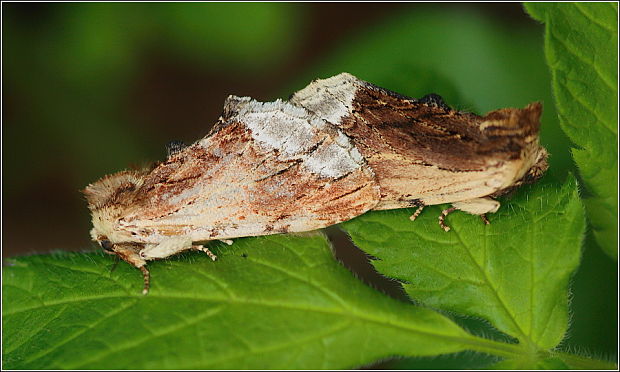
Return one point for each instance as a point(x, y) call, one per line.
point(107, 245)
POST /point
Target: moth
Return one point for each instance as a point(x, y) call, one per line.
point(335, 150)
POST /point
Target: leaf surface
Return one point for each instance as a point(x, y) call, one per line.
point(581, 46)
point(272, 302)
point(551, 363)
point(513, 272)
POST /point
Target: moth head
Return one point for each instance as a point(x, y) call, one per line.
point(108, 200)
point(105, 244)
point(128, 252)
point(113, 248)
point(112, 189)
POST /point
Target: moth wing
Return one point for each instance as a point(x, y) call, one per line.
point(421, 150)
point(267, 168)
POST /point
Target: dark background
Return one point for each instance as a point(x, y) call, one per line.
point(81, 100)
point(90, 89)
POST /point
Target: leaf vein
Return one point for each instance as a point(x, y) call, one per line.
point(321, 289)
point(205, 315)
point(593, 19)
point(80, 332)
point(16, 346)
point(594, 66)
point(503, 306)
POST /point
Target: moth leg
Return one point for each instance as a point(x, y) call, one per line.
point(131, 255)
point(442, 217)
point(227, 241)
point(479, 206)
point(417, 212)
point(206, 250)
point(146, 275)
point(166, 248)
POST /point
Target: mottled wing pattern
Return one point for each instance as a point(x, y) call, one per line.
point(268, 168)
point(421, 150)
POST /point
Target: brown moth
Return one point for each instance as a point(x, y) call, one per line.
point(424, 153)
point(339, 148)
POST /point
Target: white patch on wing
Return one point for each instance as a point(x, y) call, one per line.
point(332, 160)
point(330, 98)
point(293, 131)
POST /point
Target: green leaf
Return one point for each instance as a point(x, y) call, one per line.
point(513, 272)
point(272, 302)
point(585, 362)
point(552, 363)
point(465, 360)
point(581, 46)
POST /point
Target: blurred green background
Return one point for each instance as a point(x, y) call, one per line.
point(91, 89)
